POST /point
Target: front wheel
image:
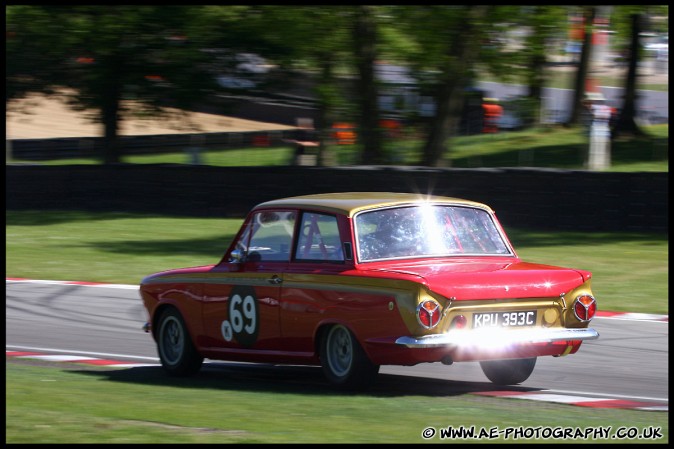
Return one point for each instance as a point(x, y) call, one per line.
point(177, 353)
point(508, 372)
point(345, 363)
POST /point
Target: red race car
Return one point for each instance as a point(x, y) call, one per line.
point(352, 281)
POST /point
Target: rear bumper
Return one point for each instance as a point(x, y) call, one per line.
point(498, 337)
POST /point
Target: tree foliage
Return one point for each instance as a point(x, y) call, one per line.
point(544, 26)
point(309, 50)
point(98, 56)
point(629, 22)
point(124, 60)
point(447, 52)
point(578, 94)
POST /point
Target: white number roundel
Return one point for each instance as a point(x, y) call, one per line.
point(243, 317)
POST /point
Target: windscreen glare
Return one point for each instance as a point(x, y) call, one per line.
point(427, 231)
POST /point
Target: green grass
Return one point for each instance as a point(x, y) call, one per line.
point(253, 156)
point(548, 147)
point(559, 147)
point(631, 271)
point(110, 247)
point(52, 405)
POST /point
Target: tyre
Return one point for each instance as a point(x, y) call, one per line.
point(344, 361)
point(508, 372)
point(176, 351)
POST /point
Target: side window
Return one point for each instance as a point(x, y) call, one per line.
point(272, 233)
point(319, 238)
point(241, 244)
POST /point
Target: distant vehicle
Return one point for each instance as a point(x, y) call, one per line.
point(239, 70)
point(352, 281)
point(509, 120)
point(252, 63)
point(659, 51)
point(232, 82)
point(659, 43)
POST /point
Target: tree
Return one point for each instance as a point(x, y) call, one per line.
point(449, 99)
point(351, 47)
point(365, 52)
point(576, 106)
point(625, 123)
point(300, 46)
point(32, 52)
point(444, 55)
point(628, 22)
point(100, 56)
point(543, 23)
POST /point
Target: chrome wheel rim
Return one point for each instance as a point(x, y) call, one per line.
point(339, 350)
point(172, 340)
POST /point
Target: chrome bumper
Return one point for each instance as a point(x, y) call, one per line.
point(496, 337)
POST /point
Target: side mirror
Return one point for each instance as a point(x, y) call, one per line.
point(237, 256)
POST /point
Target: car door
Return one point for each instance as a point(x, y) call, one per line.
point(241, 296)
point(311, 286)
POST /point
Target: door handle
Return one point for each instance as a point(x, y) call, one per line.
point(275, 280)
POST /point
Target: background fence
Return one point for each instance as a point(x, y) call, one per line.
point(550, 199)
point(90, 147)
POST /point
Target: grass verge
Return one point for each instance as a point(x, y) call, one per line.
point(52, 405)
point(631, 270)
point(546, 147)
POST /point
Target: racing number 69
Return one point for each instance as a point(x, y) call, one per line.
point(240, 309)
point(243, 322)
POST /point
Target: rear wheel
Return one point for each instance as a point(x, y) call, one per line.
point(345, 363)
point(177, 353)
point(508, 372)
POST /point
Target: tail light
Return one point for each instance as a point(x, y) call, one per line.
point(585, 307)
point(459, 322)
point(428, 314)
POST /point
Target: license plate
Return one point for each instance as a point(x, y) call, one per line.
point(505, 319)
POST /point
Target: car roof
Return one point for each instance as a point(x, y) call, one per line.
point(349, 203)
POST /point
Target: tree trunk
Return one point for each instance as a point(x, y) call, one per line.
point(449, 99)
point(369, 134)
point(626, 123)
point(583, 68)
point(324, 106)
point(110, 100)
point(536, 82)
point(110, 141)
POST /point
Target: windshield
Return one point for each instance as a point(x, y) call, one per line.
point(427, 231)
